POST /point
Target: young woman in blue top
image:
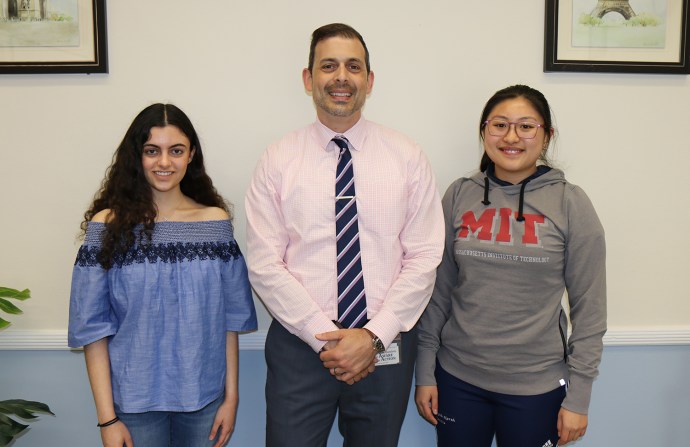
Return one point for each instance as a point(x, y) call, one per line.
point(159, 292)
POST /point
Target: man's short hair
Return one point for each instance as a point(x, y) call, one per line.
point(336, 30)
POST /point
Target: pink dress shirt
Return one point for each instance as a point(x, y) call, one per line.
point(291, 248)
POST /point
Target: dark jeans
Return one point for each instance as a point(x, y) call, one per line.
point(172, 428)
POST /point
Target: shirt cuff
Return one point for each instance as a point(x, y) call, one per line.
point(317, 325)
point(425, 368)
point(384, 325)
point(578, 395)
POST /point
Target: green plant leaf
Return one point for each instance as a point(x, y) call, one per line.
point(6, 306)
point(9, 308)
point(10, 427)
point(23, 408)
point(21, 412)
point(21, 295)
point(4, 439)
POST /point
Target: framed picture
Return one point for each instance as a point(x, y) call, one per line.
point(621, 36)
point(53, 36)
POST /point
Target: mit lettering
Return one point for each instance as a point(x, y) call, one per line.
point(498, 228)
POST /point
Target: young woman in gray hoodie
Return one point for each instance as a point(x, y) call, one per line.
point(494, 357)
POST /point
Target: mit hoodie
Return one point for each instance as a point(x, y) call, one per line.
point(495, 318)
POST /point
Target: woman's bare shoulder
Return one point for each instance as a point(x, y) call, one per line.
point(212, 213)
point(102, 216)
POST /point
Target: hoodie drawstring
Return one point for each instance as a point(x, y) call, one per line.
point(520, 217)
point(490, 174)
point(486, 191)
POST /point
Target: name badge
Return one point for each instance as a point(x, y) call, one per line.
point(390, 356)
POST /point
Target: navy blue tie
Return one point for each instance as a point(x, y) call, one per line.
point(352, 303)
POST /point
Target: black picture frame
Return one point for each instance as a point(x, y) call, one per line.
point(94, 48)
point(561, 56)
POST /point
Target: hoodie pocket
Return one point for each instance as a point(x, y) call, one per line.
point(563, 328)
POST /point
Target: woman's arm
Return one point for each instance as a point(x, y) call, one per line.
point(98, 368)
point(439, 308)
point(585, 281)
point(436, 315)
point(227, 412)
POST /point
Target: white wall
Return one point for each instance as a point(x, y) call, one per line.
point(235, 68)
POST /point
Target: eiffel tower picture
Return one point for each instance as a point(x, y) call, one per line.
point(622, 7)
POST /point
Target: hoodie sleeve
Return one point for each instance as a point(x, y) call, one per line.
point(438, 310)
point(585, 279)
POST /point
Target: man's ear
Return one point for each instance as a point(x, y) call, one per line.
point(307, 80)
point(370, 82)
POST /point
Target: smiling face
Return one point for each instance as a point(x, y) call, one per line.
point(165, 157)
point(339, 82)
point(515, 158)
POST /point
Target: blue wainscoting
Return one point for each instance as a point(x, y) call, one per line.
point(641, 399)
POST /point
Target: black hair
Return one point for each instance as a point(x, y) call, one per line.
point(538, 101)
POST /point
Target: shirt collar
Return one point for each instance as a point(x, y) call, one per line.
point(355, 135)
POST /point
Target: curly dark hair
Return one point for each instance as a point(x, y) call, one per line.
point(127, 193)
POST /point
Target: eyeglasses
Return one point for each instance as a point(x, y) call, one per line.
point(524, 129)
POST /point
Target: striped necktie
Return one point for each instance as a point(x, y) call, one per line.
point(352, 303)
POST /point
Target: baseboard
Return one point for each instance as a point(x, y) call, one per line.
point(45, 340)
point(648, 336)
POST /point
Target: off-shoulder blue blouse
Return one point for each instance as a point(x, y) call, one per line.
point(166, 306)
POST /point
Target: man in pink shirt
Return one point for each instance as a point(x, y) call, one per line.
point(319, 362)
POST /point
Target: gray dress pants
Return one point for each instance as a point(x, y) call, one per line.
point(302, 398)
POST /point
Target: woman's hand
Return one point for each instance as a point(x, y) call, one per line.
point(571, 426)
point(116, 435)
point(224, 423)
point(426, 398)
